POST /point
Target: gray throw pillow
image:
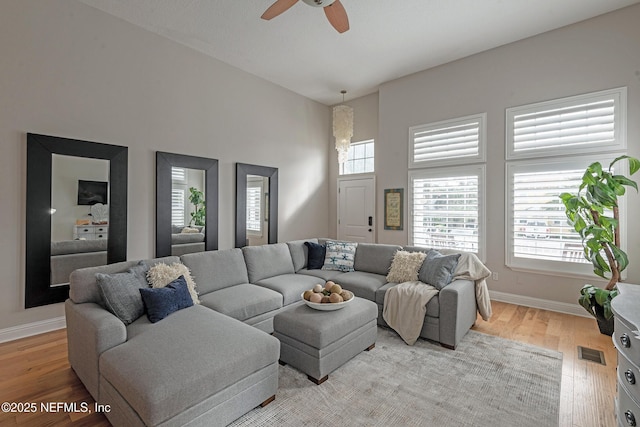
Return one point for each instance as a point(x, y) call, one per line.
point(437, 269)
point(121, 293)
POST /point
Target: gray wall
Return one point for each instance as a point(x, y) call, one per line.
point(69, 70)
point(593, 55)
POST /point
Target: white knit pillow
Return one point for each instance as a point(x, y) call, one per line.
point(405, 266)
point(160, 275)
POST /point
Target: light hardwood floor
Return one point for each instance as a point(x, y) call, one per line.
point(36, 369)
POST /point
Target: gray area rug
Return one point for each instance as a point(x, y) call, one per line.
point(486, 381)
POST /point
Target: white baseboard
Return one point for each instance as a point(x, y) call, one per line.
point(561, 307)
point(35, 328)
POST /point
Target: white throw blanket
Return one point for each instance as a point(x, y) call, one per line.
point(471, 268)
point(405, 304)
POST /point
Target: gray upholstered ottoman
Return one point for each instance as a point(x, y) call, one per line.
point(319, 342)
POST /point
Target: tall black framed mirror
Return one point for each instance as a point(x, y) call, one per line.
point(76, 212)
point(186, 204)
point(256, 205)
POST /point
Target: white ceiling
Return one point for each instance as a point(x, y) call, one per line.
point(300, 51)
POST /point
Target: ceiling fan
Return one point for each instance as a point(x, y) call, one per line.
point(334, 10)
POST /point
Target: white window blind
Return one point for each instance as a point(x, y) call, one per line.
point(446, 209)
point(540, 229)
point(254, 194)
point(177, 207)
point(584, 123)
point(447, 142)
point(178, 174)
point(538, 235)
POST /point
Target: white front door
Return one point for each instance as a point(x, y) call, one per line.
point(356, 208)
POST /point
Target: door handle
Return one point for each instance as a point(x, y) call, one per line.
point(370, 221)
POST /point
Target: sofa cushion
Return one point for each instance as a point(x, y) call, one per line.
point(339, 255)
point(375, 257)
point(437, 269)
point(161, 275)
point(362, 283)
point(243, 301)
point(290, 286)
point(78, 246)
point(183, 371)
point(316, 254)
point(433, 306)
point(161, 302)
point(120, 293)
point(181, 238)
point(405, 266)
point(298, 251)
point(214, 270)
point(322, 274)
point(267, 261)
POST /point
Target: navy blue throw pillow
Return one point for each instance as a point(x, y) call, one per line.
point(316, 255)
point(161, 302)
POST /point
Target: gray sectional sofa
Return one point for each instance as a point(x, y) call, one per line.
point(211, 363)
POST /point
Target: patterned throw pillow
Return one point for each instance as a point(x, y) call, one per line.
point(405, 266)
point(160, 275)
point(339, 256)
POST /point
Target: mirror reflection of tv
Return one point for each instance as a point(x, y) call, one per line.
point(92, 192)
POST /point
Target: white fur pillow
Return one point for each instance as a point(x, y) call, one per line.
point(405, 266)
point(160, 275)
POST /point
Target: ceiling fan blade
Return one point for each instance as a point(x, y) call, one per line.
point(277, 8)
point(337, 16)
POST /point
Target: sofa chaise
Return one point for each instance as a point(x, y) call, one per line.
point(211, 363)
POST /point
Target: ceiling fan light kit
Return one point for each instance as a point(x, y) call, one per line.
point(333, 9)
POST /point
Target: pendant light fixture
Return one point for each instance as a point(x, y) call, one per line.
point(342, 128)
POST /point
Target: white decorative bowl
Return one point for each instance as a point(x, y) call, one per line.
point(328, 306)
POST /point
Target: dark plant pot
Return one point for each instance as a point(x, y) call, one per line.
point(605, 326)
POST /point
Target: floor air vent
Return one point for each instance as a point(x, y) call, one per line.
point(590, 354)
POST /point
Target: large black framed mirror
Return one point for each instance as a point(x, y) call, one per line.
point(55, 247)
point(256, 204)
point(186, 204)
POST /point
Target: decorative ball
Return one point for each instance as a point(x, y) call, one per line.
point(318, 288)
point(336, 289)
point(346, 295)
point(328, 285)
point(325, 300)
point(335, 298)
point(315, 297)
point(307, 294)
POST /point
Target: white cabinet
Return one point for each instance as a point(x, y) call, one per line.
point(90, 232)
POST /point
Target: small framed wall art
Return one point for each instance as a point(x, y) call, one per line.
point(393, 208)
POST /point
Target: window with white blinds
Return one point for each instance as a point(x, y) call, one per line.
point(446, 208)
point(448, 142)
point(254, 213)
point(177, 207)
point(540, 239)
point(178, 195)
point(580, 124)
point(178, 174)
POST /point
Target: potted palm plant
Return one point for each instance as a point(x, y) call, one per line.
point(196, 197)
point(593, 212)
